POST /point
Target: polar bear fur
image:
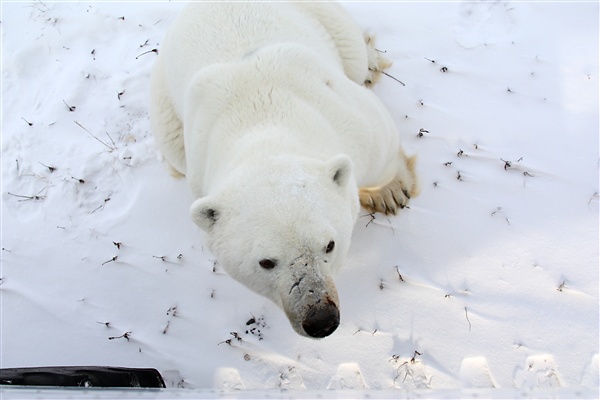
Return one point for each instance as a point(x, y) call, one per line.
point(263, 107)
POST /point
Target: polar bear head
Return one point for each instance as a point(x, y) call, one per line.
point(282, 228)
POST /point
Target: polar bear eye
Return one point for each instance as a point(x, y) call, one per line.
point(267, 264)
point(330, 247)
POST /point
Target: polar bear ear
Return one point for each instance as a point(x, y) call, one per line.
point(204, 213)
point(339, 169)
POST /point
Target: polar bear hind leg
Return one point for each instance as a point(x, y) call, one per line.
point(377, 62)
point(360, 60)
point(166, 125)
point(388, 199)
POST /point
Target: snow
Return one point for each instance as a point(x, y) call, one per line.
point(488, 282)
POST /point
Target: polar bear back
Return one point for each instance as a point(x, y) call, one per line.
point(225, 35)
point(228, 67)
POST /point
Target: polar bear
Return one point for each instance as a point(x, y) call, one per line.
point(263, 107)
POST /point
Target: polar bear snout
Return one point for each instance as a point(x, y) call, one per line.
point(311, 300)
point(321, 320)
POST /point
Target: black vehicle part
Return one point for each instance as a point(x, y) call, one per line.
point(82, 377)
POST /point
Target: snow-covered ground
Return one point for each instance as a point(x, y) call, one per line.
point(489, 280)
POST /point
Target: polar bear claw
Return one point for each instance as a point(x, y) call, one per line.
point(388, 199)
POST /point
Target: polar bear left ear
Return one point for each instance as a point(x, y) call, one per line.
point(204, 213)
point(340, 169)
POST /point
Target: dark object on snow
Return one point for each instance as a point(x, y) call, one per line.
point(82, 377)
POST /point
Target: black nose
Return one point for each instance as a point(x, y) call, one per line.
point(321, 320)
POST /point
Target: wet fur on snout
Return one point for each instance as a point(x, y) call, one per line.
point(311, 303)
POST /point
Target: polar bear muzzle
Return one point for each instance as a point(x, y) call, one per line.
point(321, 320)
point(311, 300)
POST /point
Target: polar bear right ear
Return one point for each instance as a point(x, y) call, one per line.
point(204, 213)
point(339, 169)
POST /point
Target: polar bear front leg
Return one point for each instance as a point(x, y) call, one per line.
point(388, 199)
point(377, 62)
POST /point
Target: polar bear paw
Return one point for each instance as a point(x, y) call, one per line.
point(387, 199)
point(394, 196)
point(377, 62)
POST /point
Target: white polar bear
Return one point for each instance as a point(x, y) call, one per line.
point(263, 107)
